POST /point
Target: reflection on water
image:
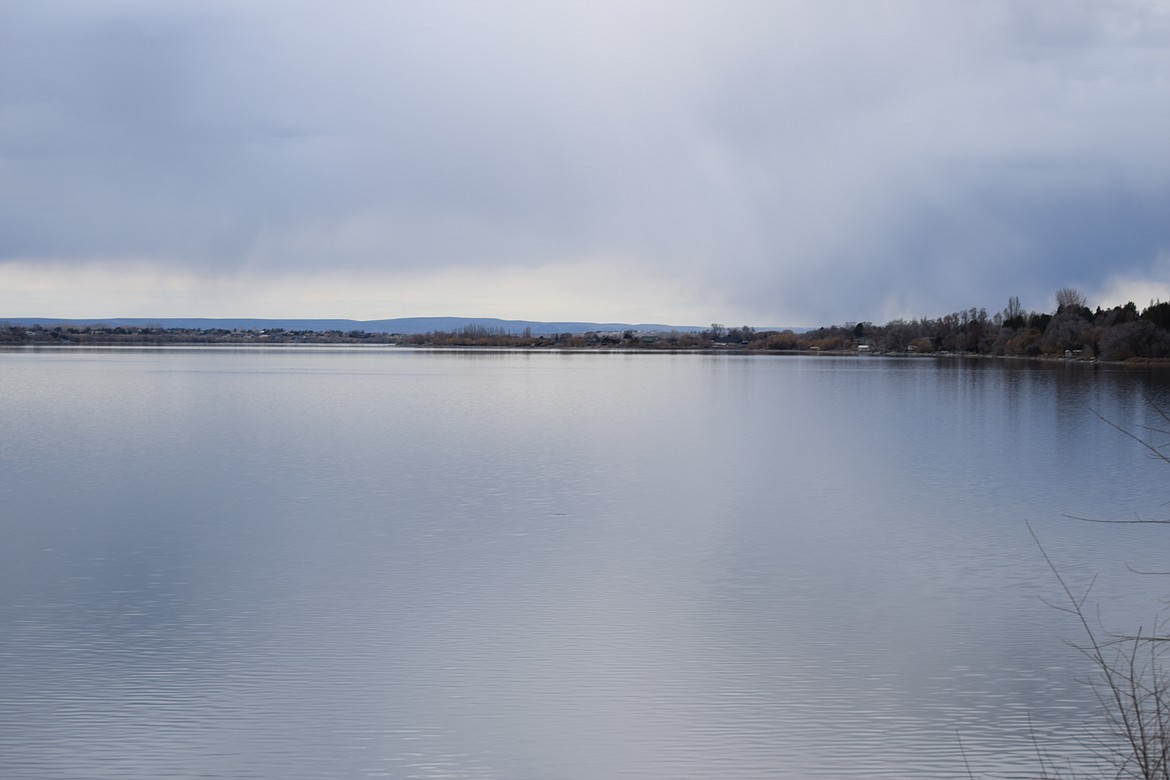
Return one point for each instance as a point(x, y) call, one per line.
point(386, 563)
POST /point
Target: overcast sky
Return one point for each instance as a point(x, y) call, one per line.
point(799, 162)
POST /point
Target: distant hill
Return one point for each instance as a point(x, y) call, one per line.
point(405, 325)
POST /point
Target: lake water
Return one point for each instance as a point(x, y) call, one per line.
point(294, 563)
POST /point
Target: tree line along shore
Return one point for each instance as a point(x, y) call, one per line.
point(1071, 330)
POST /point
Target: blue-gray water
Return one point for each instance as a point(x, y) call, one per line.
point(255, 563)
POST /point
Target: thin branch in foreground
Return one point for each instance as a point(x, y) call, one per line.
point(1154, 450)
point(1138, 521)
point(1133, 688)
point(1147, 573)
point(963, 753)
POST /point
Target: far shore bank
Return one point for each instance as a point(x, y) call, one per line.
point(1073, 333)
point(258, 344)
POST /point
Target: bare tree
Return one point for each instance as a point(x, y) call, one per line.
point(1132, 685)
point(1068, 298)
point(1013, 311)
point(1132, 678)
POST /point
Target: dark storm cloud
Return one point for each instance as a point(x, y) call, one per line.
point(818, 161)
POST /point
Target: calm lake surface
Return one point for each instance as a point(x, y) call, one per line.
point(294, 563)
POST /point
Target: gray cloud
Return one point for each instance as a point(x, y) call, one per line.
point(818, 161)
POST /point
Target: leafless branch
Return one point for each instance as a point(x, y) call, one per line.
point(1132, 685)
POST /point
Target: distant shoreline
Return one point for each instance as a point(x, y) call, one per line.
point(1072, 333)
point(593, 350)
